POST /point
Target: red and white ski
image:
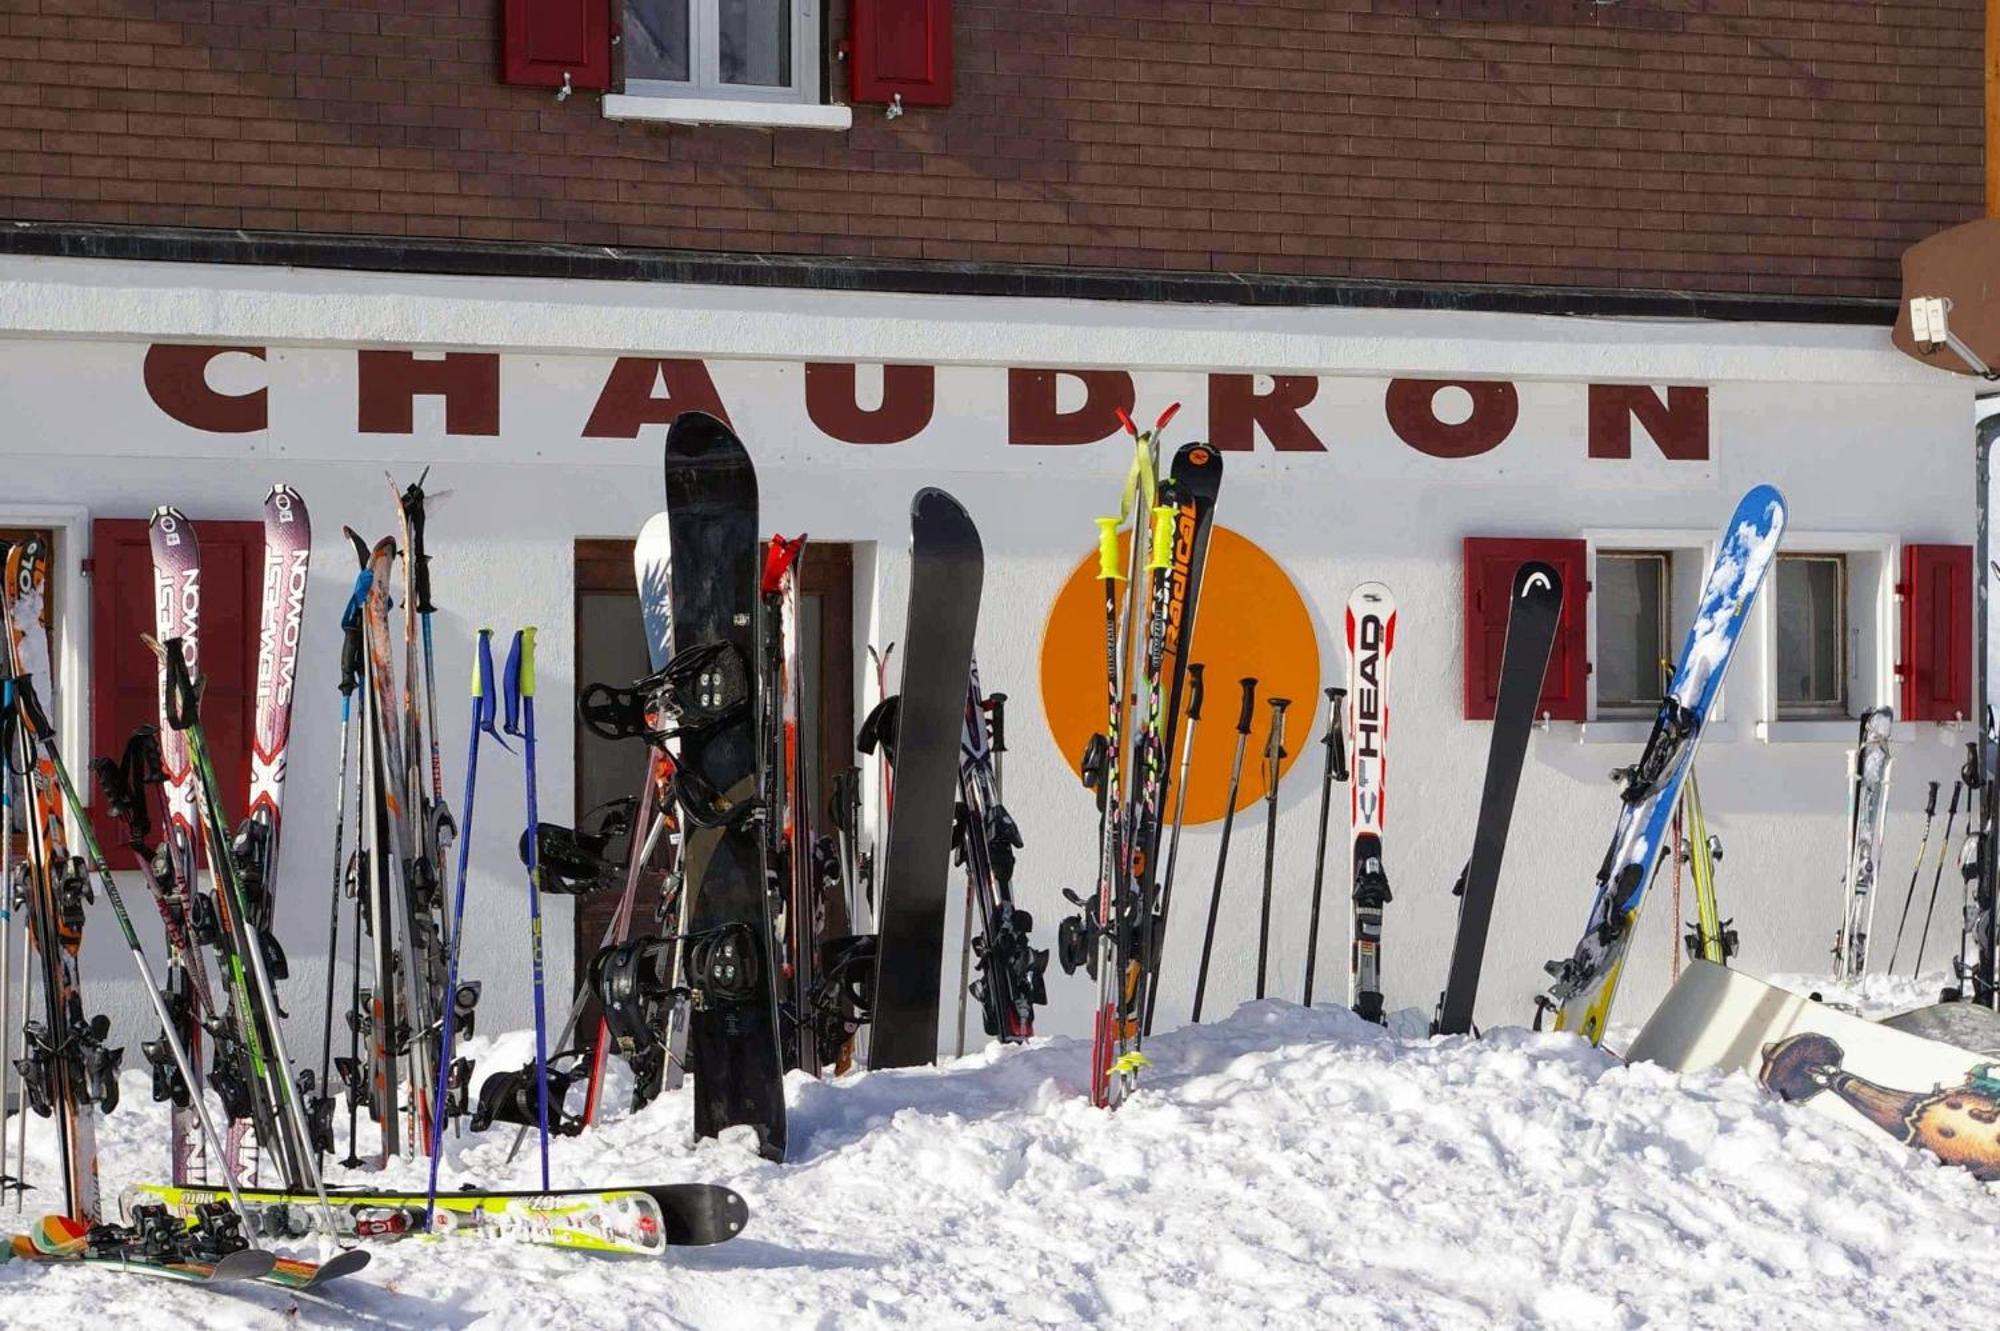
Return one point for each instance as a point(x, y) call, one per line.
point(1371, 637)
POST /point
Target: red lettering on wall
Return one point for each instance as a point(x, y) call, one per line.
point(1411, 406)
point(1678, 426)
point(1034, 418)
point(909, 393)
point(627, 402)
point(1236, 411)
point(177, 381)
point(391, 382)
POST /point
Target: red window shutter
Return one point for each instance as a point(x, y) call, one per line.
point(1936, 665)
point(1490, 565)
point(900, 48)
point(544, 40)
point(124, 676)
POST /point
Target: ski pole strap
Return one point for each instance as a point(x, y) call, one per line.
point(996, 722)
point(30, 707)
point(1930, 802)
point(1249, 683)
point(183, 699)
point(1274, 746)
point(1336, 733)
point(1110, 568)
point(351, 642)
point(420, 560)
point(520, 676)
point(1194, 691)
point(485, 705)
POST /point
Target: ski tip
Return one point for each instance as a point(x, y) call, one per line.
point(694, 433)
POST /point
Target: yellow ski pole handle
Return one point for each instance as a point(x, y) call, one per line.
point(1162, 553)
point(1110, 567)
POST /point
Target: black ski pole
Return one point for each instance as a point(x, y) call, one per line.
point(1336, 770)
point(1274, 757)
point(1222, 852)
point(1916, 870)
point(1944, 849)
point(1174, 837)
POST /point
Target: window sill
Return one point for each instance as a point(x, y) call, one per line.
point(1833, 730)
point(1625, 730)
point(722, 111)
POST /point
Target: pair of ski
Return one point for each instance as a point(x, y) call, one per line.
point(240, 1023)
point(1869, 765)
point(633, 1221)
point(1151, 558)
point(159, 1246)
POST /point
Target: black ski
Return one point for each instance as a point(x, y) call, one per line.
point(947, 566)
point(1531, 634)
point(711, 493)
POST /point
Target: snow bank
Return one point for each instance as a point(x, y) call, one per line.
point(1283, 1168)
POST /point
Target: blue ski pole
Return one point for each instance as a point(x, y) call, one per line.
point(521, 723)
point(483, 708)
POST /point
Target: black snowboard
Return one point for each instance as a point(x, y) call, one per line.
point(1531, 633)
point(733, 1032)
point(946, 569)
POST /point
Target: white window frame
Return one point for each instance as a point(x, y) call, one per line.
point(1689, 552)
point(705, 99)
point(1873, 608)
point(69, 629)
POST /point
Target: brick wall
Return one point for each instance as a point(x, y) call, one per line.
point(1788, 147)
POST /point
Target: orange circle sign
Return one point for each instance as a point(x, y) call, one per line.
point(1251, 622)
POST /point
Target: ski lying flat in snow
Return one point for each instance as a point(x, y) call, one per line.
point(1587, 980)
point(1531, 633)
point(1925, 1093)
point(642, 1220)
point(58, 1238)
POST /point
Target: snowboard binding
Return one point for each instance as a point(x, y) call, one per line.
point(514, 1096)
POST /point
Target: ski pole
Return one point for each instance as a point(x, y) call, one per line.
point(1274, 755)
point(1944, 849)
point(1336, 770)
point(482, 720)
point(1249, 684)
point(521, 723)
point(1923, 844)
point(1174, 837)
point(7, 1018)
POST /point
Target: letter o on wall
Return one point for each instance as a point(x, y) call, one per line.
point(1411, 407)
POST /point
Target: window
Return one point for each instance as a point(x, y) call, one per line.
point(1811, 618)
point(751, 50)
point(1633, 654)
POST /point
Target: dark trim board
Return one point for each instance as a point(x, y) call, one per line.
point(396, 254)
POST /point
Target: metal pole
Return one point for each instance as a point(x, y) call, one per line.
point(1249, 684)
point(1274, 756)
point(1336, 770)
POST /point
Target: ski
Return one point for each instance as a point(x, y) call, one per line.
point(1371, 638)
point(947, 567)
point(1586, 982)
point(176, 556)
point(711, 704)
point(1532, 617)
point(67, 1073)
point(1869, 765)
point(1712, 939)
point(207, 1249)
point(642, 1220)
point(1009, 970)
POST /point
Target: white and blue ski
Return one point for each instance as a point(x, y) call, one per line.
point(1587, 981)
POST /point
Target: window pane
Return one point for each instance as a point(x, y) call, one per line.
point(755, 42)
point(1811, 633)
point(656, 40)
point(1631, 628)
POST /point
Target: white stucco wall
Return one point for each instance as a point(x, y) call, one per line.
point(1870, 448)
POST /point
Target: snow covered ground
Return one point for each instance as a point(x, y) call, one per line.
point(1283, 1168)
